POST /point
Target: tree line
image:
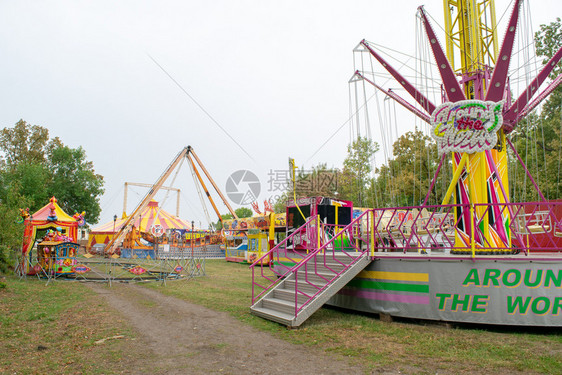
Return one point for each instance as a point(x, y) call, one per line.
point(35, 167)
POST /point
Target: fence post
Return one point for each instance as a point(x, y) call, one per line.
point(318, 231)
point(372, 233)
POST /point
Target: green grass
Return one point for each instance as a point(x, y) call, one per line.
point(67, 318)
point(52, 329)
point(405, 345)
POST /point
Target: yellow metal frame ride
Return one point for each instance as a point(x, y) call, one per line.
point(471, 39)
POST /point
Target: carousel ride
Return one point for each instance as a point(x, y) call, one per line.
point(476, 256)
point(49, 248)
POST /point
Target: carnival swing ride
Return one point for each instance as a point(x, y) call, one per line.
point(480, 259)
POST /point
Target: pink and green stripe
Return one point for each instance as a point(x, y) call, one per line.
point(403, 287)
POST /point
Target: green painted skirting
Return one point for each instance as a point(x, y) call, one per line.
point(402, 287)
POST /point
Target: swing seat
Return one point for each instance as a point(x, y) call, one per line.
point(430, 223)
point(557, 229)
point(534, 223)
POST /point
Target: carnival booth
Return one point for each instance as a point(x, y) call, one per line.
point(247, 239)
point(62, 228)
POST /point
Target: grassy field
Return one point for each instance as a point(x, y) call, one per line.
point(412, 347)
point(53, 329)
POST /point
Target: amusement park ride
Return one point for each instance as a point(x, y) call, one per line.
point(481, 259)
point(127, 227)
point(131, 251)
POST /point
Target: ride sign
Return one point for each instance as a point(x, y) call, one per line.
point(466, 126)
point(157, 230)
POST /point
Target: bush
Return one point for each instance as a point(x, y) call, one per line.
point(7, 260)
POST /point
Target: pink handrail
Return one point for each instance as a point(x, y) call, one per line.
point(268, 255)
point(313, 255)
point(526, 226)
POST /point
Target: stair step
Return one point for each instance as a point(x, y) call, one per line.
point(304, 286)
point(315, 277)
point(273, 315)
point(289, 295)
point(280, 305)
point(320, 266)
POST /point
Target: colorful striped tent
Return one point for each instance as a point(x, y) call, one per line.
point(144, 221)
point(49, 216)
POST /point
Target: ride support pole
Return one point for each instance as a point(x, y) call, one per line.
point(472, 242)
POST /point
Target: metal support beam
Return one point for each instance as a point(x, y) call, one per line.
point(126, 227)
point(452, 87)
point(418, 96)
point(224, 200)
point(496, 89)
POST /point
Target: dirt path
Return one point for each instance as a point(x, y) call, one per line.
point(178, 337)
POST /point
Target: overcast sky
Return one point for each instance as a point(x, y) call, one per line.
point(273, 74)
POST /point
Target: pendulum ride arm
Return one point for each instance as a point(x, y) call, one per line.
point(496, 88)
point(194, 168)
point(118, 237)
point(546, 92)
point(396, 97)
point(521, 107)
point(452, 87)
point(520, 104)
point(190, 151)
point(418, 96)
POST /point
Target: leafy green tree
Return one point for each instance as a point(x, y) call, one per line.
point(74, 182)
point(24, 143)
point(547, 42)
point(243, 212)
point(27, 179)
point(11, 231)
point(406, 179)
point(355, 178)
point(38, 168)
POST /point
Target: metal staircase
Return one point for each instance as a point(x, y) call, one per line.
point(303, 288)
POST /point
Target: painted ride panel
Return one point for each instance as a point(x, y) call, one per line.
point(246, 239)
point(512, 290)
point(58, 258)
point(236, 247)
